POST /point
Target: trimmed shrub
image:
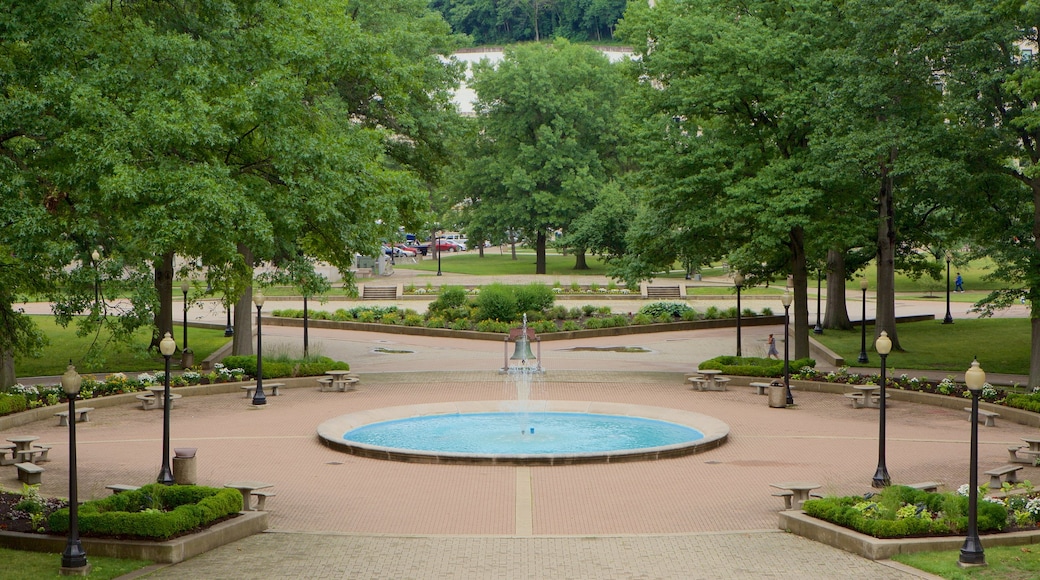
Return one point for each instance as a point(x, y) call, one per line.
point(544, 326)
point(752, 366)
point(10, 403)
point(450, 297)
point(534, 296)
point(497, 302)
point(674, 309)
point(274, 368)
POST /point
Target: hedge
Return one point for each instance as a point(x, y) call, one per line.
point(12, 403)
point(274, 369)
point(749, 366)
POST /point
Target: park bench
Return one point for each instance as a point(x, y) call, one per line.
point(7, 454)
point(149, 401)
point(271, 388)
point(787, 496)
point(697, 382)
point(35, 454)
point(761, 388)
point(121, 487)
point(261, 496)
point(988, 417)
point(932, 486)
point(1009, 472)
point(379, 292)
point(663, 292)
point(81, 416)
point(29, 473)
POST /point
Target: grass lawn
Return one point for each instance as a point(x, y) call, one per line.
point(495, 263)
point(1001, 345)
point(46, 565)
point(1004, 563)
point(66, 345)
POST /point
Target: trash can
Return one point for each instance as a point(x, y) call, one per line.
point(777, 395)
point(184, 466)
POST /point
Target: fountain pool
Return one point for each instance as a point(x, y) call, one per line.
point(564, 432)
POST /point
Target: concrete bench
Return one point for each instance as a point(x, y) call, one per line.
point(988, 417)
point(761, 388)
point(787, 495)
point(720, 384)
point(269, 388)
point(261, 498)
point(29, 473)
point(325, 384)
point(858, 401)
point(35, 454)
point(7, 454)
point(149, 401)
point(121, 487)
point(1009, 472)
point(931, 486)
point(697, 383)
point(81, 416)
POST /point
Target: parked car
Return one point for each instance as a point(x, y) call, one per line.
point(406, 251)
point(446, 246)
point(397, 252)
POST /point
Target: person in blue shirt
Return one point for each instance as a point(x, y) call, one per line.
point(959, 283)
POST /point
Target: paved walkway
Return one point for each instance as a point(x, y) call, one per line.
point(704, 516)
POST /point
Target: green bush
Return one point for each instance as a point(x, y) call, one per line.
point(570, 325)
point(493, 326)
point(534, 296)
point(656, 309)
point(543, 326)
point(450, 297)
point(497, 302)
point(752, 366)
point(1030, 402)
point(274, 369)
point(12, 403)
point(155, 511)
point(641, 319)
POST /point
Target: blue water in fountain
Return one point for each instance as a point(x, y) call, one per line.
point(533, 433)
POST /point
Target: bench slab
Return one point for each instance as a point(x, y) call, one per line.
point(1010, 472)
point(81, 416)
point(989, 418)
point(29, 473)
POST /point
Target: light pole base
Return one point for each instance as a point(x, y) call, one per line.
point(973, 564)
point(76, 571)
point(948, 319)
point(165, 476)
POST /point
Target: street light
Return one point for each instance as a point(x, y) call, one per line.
point(786, 300)
point(437, 248)
point(863, 322)
point(74, 558)
point(95, 256)
point(229, 330)
point(166, 347)
point(187, 355)
point(818, 329)
point(258, 397)
point(883, 346)
point(948, 319)
point(738, 281)
point(971, 552)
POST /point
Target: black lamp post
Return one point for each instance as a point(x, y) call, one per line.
point(971, 552)
point(96, 257)
point(818, 329)
point(74, 558)
point(883, 345)
point(229, 330)
point(786, 300)
point(306, 350)
point(166, 347)
point(738, 281)
point(863, 322)
point(437, 248)
point(187, 355)
point(948, 319)
point(258, 397)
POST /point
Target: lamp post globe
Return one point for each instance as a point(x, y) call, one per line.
point(259, 398)
point(738, 281)
point(883, 346)
point(786, 301)
point(863, 325)
point(166, 346)
point(74, 558)
point(972, 553)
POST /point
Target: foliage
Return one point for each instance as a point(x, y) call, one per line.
point(497, 302)
point(750, 366)
point(533, 297)
point(509, 22)
point(12, 403)
point(275, 368)
point(655, 309)
point(448, 297)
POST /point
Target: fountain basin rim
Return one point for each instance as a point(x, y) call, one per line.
point(330, 433)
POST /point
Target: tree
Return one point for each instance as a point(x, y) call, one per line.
point(547, 137)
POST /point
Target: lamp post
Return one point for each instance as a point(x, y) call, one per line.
point(971, 552)
point(786, 300)
point(738, 281)
point(229, 330)
point(258, 397)
point(166, 347)
point(74, 558)
point(818, 329)
point(437, 248)
point(883, 346)
point(306, 350)
point(863, 322)
point(95, 256)
point(187, 355)
point(948, 319)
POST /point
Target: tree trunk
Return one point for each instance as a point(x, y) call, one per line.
point(512, 247)
point(164, 288)
point(836, 315)
point(7, 378)
point(800, 305)
point(539, 260)
point(242, 344)
point(579, 261)
point(885, 300)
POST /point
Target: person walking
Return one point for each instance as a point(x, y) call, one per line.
point(958, 284)
point(772, 352)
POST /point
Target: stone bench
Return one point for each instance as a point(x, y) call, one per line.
point(81, 416)
point(29, 473)
point(7, 454)
point(1009, 472)
point(1013, 453)
point(121, 487)
point(35, 454)
point(989, 418)
point(858, 402)
point(261, 498)
point(931, 486)
point(761, 388)
point(787, 495)
point(697, 382)
point(270, 388)
point(148, 401)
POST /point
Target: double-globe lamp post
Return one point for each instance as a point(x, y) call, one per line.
point(166, 347)
point(971, 552)
point(738, 281)
point(883, 346)
point(863, 324)
point(74, 558)
point(948, 319)
point(258, 397)
point(786, 301)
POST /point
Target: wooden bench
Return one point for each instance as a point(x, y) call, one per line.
point(261, 498)
point(932, 486)
point(29, 473)
point(1009, 472)
point(271, 388)
point(81, 416)
point(761, 388)
point(35, 454)
point(989, 417)
point(121, 487)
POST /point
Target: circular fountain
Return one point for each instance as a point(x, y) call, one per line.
point(522, 431)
